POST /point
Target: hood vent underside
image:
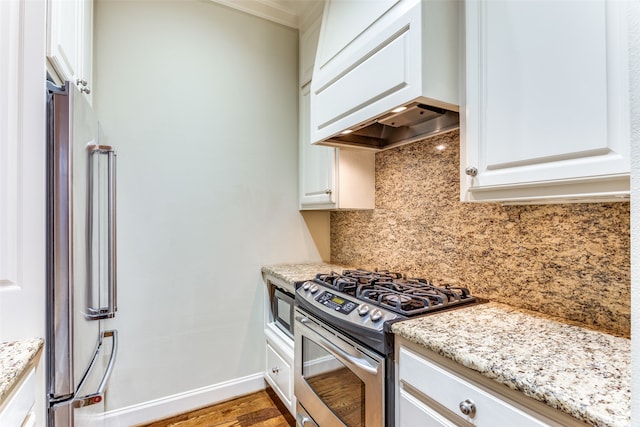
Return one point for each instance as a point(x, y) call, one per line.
point(417, 121)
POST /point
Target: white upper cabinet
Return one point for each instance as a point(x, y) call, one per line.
point(547, 102)
point(330, 178)
point(333, 178)
point(316, 183)
point(375, 56)
point(70, 41)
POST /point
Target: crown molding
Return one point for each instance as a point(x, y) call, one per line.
point(266, 9)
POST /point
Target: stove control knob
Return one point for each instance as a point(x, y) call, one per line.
point(314, 288)
point(363, 310)
point(376, 315)
point(306, 285)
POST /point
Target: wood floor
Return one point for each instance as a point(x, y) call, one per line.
point(258, 409)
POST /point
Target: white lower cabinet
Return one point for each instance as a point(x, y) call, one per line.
point(432, 392)
point(279, 371)
point(279, 365)
point(18, 408)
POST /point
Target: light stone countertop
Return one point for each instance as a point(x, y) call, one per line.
point(582, 372)
point(290, 274)
point(15, 358)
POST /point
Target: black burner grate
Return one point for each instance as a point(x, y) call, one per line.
point(393, 291)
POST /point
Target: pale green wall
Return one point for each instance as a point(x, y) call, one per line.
point(201, 103)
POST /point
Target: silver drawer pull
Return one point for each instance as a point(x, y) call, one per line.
point(275, 370)
point(468, 408)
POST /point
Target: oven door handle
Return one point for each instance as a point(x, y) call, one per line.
point(340, 353)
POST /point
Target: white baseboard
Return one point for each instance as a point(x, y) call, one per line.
point(165, 407)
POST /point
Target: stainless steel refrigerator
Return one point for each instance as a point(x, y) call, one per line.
point(81, 260)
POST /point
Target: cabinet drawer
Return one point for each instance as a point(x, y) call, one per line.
point(279, 372)
point(450, 390)
point(414, 413)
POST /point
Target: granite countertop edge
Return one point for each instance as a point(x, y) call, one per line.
point(15, 359)
point(590, 378)
point(291, 274)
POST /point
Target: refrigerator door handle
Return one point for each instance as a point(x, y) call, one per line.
point(110, 310)
point(113, 306)
point(98, 395)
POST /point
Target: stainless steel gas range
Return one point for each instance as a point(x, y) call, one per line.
point(343, 361)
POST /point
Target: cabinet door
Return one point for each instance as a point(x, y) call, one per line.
point(547, 108)
point(63, 43)
point(69, 40)
point(317, 165)
point(279, 365)
point(279, 372)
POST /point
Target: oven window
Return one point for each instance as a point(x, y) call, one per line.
point(284, 311)
point(338, 388)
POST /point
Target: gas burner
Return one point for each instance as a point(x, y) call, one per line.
point(400, 302)
point(338, 282)
point(396, 299)
point(365, 277)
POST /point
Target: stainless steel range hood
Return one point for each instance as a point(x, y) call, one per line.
point(416, 121)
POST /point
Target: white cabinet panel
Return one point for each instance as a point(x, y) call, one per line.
point(11, 121)
point(546, 101)
point(332, 178)
point(22, 169)
point(365, 83)
point(279, 371)
point(517, 109)
point(344, 21)
point(279, 365)
point(17, 410)
point(69, 41)
point(63, 43)
point(317, 164)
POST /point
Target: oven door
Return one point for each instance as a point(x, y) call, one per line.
point(337, 381)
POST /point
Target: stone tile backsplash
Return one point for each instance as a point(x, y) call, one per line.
point(566, 260)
